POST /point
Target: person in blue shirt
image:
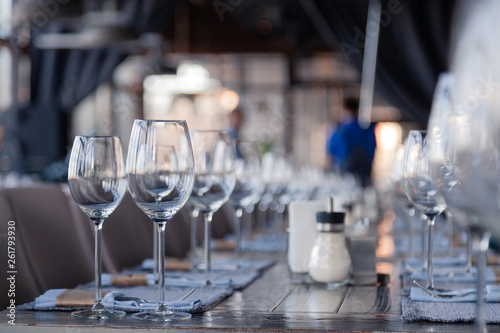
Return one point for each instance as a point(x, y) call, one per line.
point(350, 147)
point(236, 119)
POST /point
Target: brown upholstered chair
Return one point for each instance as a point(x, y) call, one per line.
point(52, 249)
point(222, 223)
point(25, 285)
point(128, 236)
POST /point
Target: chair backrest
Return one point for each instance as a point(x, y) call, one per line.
point(128, 235)
point(56, 251)
point(26, 287)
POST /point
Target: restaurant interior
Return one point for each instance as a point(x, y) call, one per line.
point(301, 165)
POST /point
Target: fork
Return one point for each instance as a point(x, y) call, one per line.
point(143, 301)
point(441, 296)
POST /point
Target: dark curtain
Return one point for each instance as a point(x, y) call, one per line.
point(412, 51)
point(60, 79)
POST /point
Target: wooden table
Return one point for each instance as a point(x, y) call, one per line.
point(272, 303)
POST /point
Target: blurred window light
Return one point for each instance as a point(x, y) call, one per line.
point(388, 136)
point(190, 79)
point(229, 100)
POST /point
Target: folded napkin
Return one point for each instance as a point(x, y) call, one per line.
point(75, 298)
point(266, 244)
point(222, 264)
point(223, 245)
point(492, 293)
point(137, 279)
point(70, 298)
point(177, 279)
point(459, 260)
point(170, 264)
point(443, 274)
point(402, 245)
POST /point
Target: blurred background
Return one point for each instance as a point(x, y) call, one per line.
point(81, 67)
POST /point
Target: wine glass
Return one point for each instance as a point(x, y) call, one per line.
point(97, 181)
point(400, 195)
point(443, 167)
point(474, 145)
point(160, 169)
point(214, 178)
point(421, 189)
point(247, 187)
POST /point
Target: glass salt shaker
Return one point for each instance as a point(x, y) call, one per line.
point(330, 260)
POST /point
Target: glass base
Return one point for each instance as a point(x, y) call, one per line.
point(300, 278)
point(162, 316)
point(99, 314)
point(334, 285)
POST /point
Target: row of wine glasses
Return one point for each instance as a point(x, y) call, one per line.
point(166, 165)
point(421, 190)
point(465, 159)
point(455, 166)
point(214, 179)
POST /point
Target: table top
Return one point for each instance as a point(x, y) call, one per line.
point(272, 303)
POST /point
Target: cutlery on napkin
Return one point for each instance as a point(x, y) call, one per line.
point(73, 298)
point(453, 275)
point(145, 279)
point(492, 293)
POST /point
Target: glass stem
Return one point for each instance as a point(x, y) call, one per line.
point(431, 220)
point(425, 249)
point(161, 266)
point(261, 218)
point(98, 262)
point(249, 222)
point(411, 214)
point(208, 237)
point(155, 252)
point(194, 241)
point(468, 266)
point(482, 240)
point(449, 219)
point(237, 229)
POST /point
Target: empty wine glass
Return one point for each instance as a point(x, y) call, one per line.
point(400, 195)
point(474, 145)
point(247, 187)
point(97, 181)
point(160, 169)
point(214, 178)
point(421, 190)
point(443, 167)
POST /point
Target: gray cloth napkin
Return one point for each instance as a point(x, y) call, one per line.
point(148, 264)
point(198, 301)
point(177, 279)
point(446, 312)
point(266, 244)
point(441, 274)
point(459, 260)
point(235, 278)
point(491, 293)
